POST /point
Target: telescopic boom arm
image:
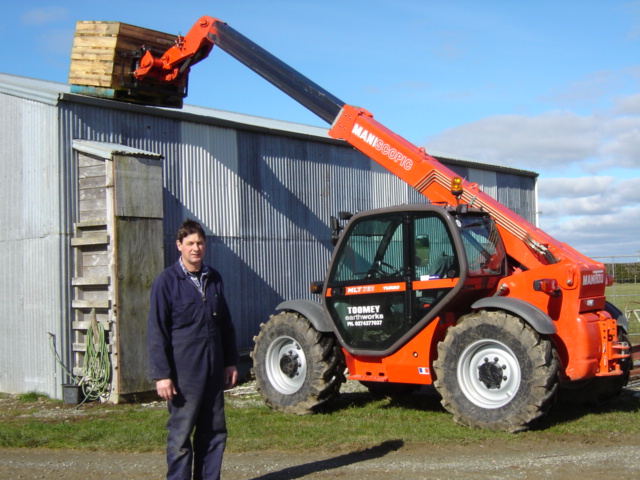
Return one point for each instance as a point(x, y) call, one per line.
point(206, 33)
point(527, 246)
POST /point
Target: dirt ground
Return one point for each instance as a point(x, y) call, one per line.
point(570, 461)
point(531, 459)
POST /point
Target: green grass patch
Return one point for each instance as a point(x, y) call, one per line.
point(358, 421)
point(100, 427)
point(32, 397)
point(355, 421)
point(626, 296)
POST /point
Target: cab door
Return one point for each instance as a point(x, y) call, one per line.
point(378, 290)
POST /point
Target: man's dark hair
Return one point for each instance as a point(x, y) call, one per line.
point(190, 227)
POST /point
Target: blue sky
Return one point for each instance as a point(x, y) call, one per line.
point(547, 86)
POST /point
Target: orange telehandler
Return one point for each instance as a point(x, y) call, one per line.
point(460, 293)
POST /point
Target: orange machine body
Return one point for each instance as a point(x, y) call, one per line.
point(586, 337)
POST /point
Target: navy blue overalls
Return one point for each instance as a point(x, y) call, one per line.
point(191, 339)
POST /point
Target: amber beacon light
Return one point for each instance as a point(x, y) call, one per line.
point(456, 187)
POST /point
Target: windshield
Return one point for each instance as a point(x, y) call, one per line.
point(373, 250)
point(482, 244)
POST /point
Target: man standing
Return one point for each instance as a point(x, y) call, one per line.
point(192, 353)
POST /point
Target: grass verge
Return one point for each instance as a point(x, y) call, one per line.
point(354, 422)
point(626, 296)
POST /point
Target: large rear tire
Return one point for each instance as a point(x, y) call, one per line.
point(494, 371)
point(297, 368)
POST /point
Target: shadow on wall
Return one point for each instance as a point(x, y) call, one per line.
point(258, 272)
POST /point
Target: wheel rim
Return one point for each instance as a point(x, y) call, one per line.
point(286, 365)
point(489, 373)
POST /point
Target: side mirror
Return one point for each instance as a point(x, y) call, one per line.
point(336, 228)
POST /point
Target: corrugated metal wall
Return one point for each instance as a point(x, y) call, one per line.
point(34, 245)
point(264, 198)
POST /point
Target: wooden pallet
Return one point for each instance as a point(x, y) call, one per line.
point(104, 56)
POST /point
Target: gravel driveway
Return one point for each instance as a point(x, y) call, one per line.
point(566, 460)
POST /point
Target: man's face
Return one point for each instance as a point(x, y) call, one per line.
point(192, 251)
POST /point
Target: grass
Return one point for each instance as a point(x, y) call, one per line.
point(623, 295)
point(31, 397)
point(355, 421)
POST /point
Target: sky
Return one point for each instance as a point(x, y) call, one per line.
point(546, 86)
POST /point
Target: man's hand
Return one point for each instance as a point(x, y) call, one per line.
point(166, 389)
point(230, 377)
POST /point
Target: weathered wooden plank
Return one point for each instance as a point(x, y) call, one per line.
point(90, 281)
point(91, 69)
point(84, 325)
point(94, 294)
point(95, 80)
point(94, 205)
point(91, 239)
point(88, 27)
point(90, 303)
point(89, 194)
point(138, 194)
point(94, 297)
point(91, 182)
point(94, 259)
point(87, 225)
point(95, 41)
point(91, 171)
point(93, 216)
point(95, 270)
point(140, 239)
point(85, 160)
point(88, 68)
point(92, 54)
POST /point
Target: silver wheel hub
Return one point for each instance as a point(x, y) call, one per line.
point(489, 373)
point(286, 365)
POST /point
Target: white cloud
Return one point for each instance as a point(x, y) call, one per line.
point(555, 140)
point(604, 192)
point(552, 140)
point(598, 212)
point(574, 187)
point(621, 143)
point(607, 234)
point(597, 215)
point(45, 15)
point(629, 105)
point(584, 91)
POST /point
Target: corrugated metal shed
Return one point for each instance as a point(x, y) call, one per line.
point(263, 189)
point(32, 233)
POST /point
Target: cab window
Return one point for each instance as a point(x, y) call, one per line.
point(374, 250)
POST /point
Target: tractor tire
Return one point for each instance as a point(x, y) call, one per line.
point(496, 372)
point(297, 368)
point(598, 391)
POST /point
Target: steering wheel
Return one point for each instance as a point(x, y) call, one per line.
point(382, 269)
